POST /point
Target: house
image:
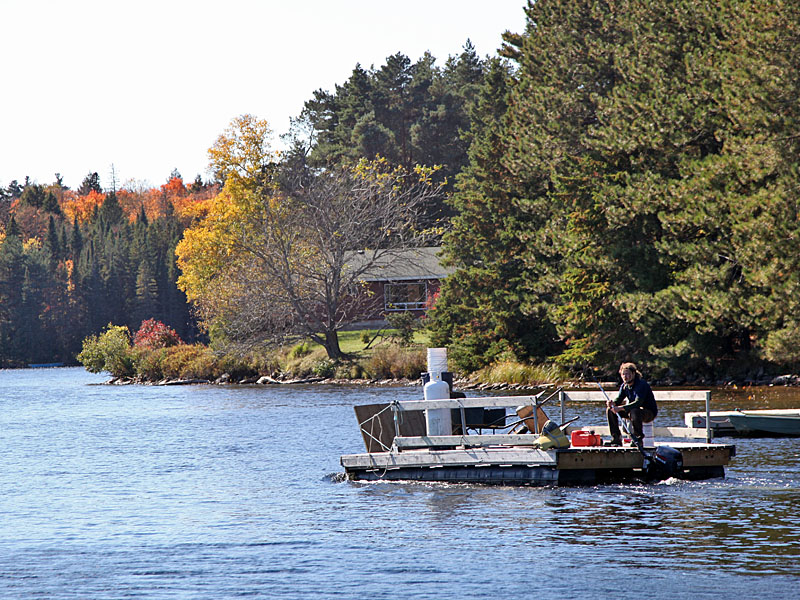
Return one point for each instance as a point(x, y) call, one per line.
point(399, 281)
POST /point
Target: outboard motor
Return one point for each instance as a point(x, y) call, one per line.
point(664, 463)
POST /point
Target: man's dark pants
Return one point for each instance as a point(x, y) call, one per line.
point(637, 416)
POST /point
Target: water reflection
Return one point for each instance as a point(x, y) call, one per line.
point(222, 492)
point(732, 524)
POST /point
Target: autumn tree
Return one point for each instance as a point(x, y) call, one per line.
point(267, 264)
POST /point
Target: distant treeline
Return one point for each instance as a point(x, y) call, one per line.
point(71, 262)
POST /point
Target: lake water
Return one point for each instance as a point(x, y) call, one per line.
point(228, 492)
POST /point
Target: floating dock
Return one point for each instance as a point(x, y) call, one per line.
point(399, 449)
point(510, 465)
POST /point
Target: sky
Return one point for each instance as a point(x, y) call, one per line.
point(146, 87)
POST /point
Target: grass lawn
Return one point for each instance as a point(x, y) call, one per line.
point(350, 341)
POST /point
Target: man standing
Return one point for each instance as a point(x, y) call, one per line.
point(635, 402)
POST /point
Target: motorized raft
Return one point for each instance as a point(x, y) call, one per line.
point(509, 440)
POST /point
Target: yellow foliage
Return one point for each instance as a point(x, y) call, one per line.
point(242, 152)
point(225, 236)
point(69, 265)
point(257, 259)
point(31, 243)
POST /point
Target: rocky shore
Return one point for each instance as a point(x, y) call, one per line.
point(460, 384)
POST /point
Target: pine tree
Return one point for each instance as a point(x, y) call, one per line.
point(53, 242)
point(646, 151)
point(146, 299)
point(483, 313)
point(90, 183)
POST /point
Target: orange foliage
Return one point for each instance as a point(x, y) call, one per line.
point(82, 207)
point(131, 202)
point(174, 188)
point(171, 197)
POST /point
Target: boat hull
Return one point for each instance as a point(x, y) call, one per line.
point(760, 424)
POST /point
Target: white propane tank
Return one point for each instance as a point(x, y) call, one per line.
point(437, 420)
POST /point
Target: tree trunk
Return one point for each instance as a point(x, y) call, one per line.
point(332, 345)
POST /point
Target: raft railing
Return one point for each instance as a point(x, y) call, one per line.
point(660, 396)
point(398, 408)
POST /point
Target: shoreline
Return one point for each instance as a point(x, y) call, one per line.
point(459, 384)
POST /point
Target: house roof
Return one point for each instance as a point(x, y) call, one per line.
point(401, 265)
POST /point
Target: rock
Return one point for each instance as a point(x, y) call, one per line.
point(266, 379)
point(783, 380)
point(184, 381)
point(224, 378)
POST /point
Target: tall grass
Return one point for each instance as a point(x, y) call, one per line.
point(395, 362)
point(514, 372)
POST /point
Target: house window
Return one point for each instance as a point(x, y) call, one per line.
point(405, 296)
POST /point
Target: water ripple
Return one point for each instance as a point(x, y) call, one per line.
point(201, 492)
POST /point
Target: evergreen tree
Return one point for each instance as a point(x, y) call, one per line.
point(408, 113)
point(90, 183)
point(111, 213)
point(647, 148)
point(14, 190)
point(50, 204)
point(146, 299)
point(53, 242)
point(12, 273)
point(33, 195)
point(483, 312)
point(75, 241)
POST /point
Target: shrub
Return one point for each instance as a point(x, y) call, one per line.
point(186, 361)
point(300, 350)
point(396, 362)
point(240, 366)
point(349, 370)
point(405, 325)
point(149, 363)
point(110, 351)
point(154, 334)
point(324, 368)
point(304, 367)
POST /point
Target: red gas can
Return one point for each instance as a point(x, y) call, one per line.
point(585, 438)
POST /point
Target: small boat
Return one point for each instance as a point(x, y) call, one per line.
point(766, 422)
point(447, 437)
